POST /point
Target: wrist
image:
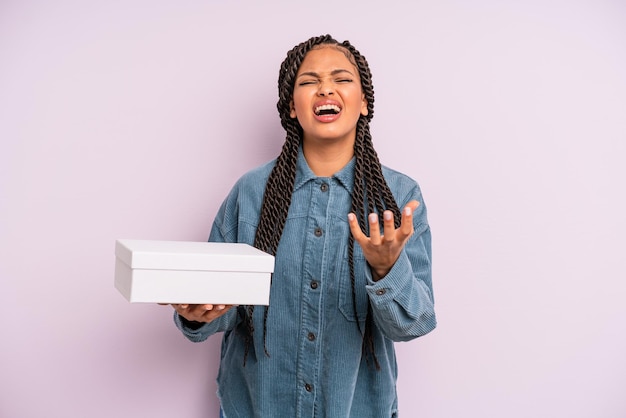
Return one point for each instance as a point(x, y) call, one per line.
point(193, 325)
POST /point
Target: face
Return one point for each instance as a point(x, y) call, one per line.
point(327, 96)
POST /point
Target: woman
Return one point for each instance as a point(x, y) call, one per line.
point(324, 346)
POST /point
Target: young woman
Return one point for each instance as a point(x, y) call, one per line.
point(353, 256)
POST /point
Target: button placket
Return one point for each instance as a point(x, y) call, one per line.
point(309, 361)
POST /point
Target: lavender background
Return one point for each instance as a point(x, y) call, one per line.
point(132, 119)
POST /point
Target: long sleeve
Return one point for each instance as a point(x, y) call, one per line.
point(402, 302)
point(223, 323)
point(224, 229)
point(302, 355)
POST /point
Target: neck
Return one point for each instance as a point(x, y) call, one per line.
point(328, 159)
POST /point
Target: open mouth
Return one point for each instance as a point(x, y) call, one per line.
point(327, 109)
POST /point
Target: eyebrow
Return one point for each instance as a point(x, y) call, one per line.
point(334, 72)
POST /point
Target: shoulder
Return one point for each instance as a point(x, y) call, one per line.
point(402, 185)
point(242, 205)
point(405, 189)
point(251, 185)
point(257, 176)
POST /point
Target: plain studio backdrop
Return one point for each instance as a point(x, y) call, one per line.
point(133, 119)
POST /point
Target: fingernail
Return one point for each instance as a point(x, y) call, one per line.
point(407, 210)
point(373, 217)
point(351, 216)
point(387, 215)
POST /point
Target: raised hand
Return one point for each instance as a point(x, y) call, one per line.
point(382, 251)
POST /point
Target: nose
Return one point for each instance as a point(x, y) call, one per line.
point(325, 89)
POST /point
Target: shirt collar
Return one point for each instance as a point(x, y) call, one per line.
point(304, 174)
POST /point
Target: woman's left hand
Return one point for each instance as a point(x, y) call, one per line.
point(382, 251)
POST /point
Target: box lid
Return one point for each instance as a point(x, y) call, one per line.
point(187, 255)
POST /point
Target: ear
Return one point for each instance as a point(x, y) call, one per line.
point(364, 110)
point(292, 110)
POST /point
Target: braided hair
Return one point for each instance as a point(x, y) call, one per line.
point(370, 193)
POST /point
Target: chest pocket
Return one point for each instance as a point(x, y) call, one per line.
point(347, 296)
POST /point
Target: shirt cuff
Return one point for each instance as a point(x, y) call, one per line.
point(194, 331)
point(390, 287)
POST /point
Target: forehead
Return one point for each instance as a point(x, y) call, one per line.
point(327, 58)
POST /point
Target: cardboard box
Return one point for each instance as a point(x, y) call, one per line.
point(192, 272)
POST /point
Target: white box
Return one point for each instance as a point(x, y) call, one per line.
point(192, 272)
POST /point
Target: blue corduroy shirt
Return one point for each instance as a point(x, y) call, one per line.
point(315, 366)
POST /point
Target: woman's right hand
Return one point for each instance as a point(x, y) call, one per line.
point(201, 313)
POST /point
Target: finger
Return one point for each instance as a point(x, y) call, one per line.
point(406, 224)
point(374, 229)
point(355, 228)
point(182, 308)
point(194, 312)
point(413, 204)
point(207, 311)
point(218, 311)
point(185, 308)
point(389, 226)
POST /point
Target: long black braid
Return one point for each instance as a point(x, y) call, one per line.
point(370, 194)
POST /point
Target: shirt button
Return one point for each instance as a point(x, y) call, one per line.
point(311, 336)
point(324, 187)
point(380, 292)
point(318, 232)
point(313, 284)
point(308, 387)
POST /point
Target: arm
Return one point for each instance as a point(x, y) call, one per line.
point(399, 278)
point(198, 322)
point(402, 302)
point(205, 322)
